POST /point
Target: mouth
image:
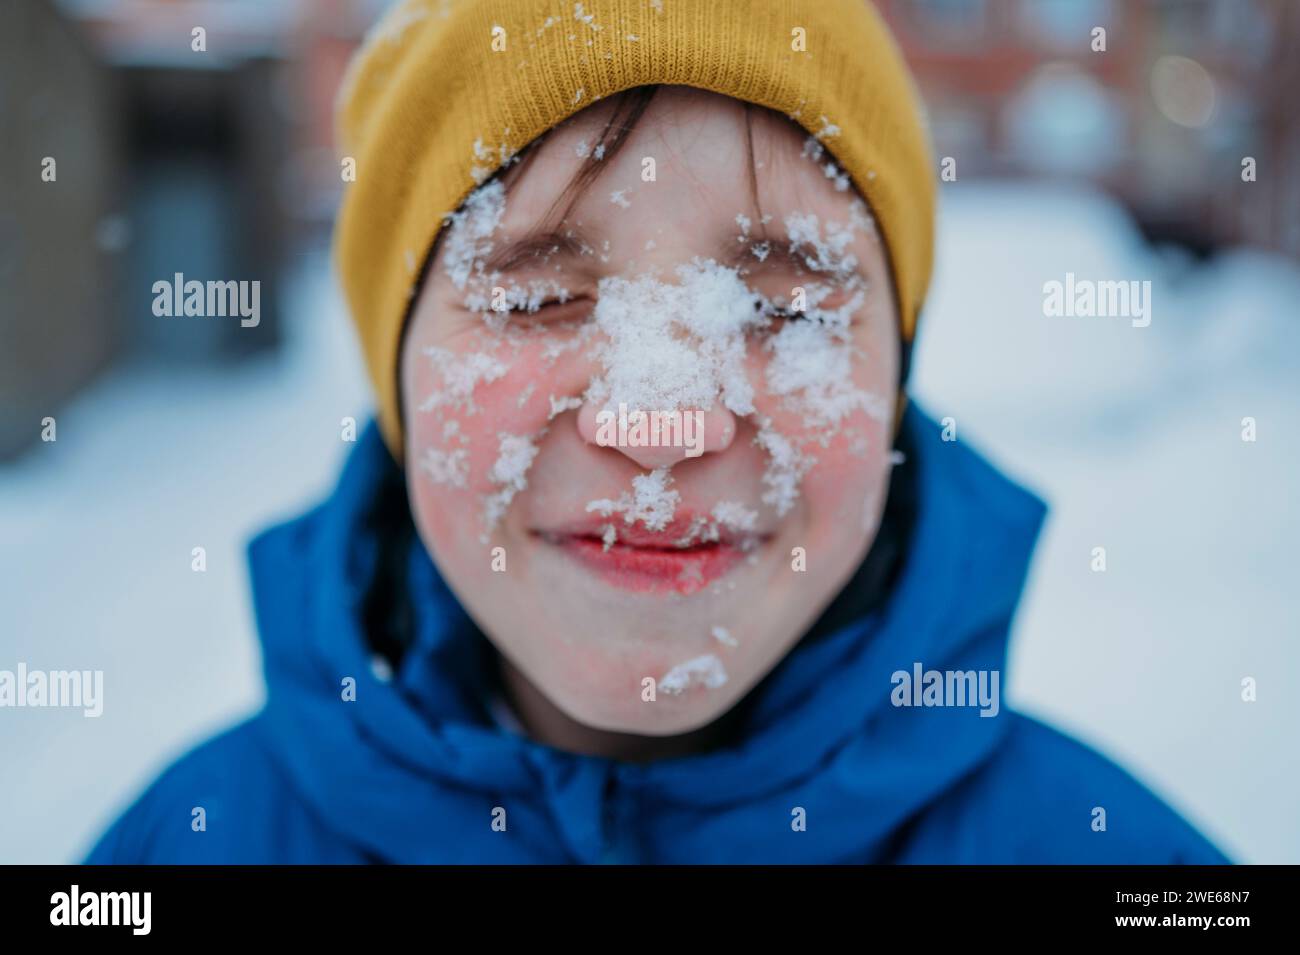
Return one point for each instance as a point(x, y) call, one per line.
point(682, 558)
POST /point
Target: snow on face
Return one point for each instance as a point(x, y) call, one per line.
point(663, 346)
point(704, 671)
point(652, 501)
point(676, 346)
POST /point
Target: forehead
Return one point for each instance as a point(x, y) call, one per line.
point(703, 147)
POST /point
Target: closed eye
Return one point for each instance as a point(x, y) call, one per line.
point(551, 309)
point(780, 311)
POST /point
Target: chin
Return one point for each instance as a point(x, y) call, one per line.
point(670, 714)
point(659, 722)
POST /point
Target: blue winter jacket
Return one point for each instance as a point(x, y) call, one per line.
point(828, 769)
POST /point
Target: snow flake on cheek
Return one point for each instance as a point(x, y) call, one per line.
point(446, 467)
point(456, 376)
point(785, 470)
point(459, 375)
point(812, 369)
point(515, 455)
point(479, 409)
point(723, 636)
point(827, 253)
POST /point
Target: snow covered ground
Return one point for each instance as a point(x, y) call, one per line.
point(1132, 434)
point(98, 529)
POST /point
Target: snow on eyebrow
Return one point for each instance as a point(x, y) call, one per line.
point(826, 254)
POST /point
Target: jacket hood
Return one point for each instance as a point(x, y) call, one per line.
point(413, 769)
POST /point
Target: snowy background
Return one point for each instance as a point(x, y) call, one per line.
point(1131, 434)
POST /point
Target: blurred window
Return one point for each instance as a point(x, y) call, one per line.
point(1064, 24)
point(1064, 122)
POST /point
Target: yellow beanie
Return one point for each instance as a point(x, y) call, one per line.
point(443, 92)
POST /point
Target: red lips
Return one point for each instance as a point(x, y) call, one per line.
point(681, 558)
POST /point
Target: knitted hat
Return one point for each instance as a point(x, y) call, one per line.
point(443, 92)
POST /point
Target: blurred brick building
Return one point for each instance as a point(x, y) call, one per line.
point(1184, 90)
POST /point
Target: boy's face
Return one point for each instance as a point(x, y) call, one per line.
point(564, 538)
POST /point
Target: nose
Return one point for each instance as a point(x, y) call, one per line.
point(658, 439)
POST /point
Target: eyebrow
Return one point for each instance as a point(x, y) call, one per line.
point(571, 243)
point(780, 255)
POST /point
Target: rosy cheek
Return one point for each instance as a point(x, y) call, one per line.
point(844, 456)
point(479, 409)
point(850, 465)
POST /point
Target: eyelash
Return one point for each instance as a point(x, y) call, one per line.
point(783, 314)
point(541, 306)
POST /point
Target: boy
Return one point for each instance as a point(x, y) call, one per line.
point(646, 558)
